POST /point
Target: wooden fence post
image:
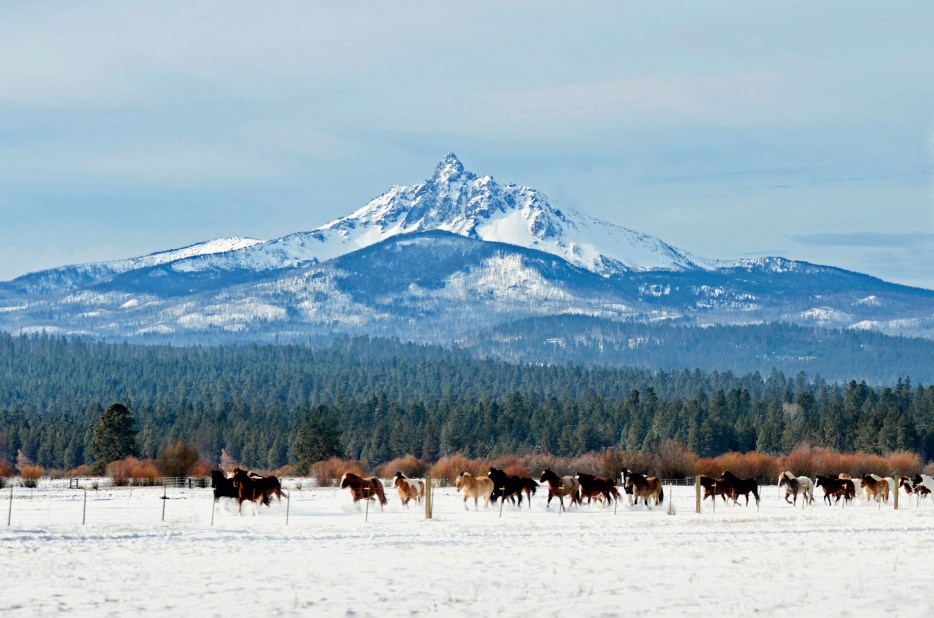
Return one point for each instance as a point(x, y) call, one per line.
point(428, 497)
point(9, 513)
point(896, 496)
point(697, 494)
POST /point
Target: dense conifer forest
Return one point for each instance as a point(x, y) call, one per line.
point(389, 398)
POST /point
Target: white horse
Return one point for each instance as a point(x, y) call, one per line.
point(795, 485)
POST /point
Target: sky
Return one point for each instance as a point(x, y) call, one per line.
point(728, 129)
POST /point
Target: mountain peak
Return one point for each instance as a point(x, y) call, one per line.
point(449, 168)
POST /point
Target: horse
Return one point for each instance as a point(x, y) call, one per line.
point(511, 487)
point(876, 487)
point(836, 487)
point(528, 486)
point(924, 481)
point(858, 489)
point(222, 486)
point(364, 488)
point(645, 487)
point(913, 487)
point(795, 485)
point(560, 487)
point(255, 488)
point(741, 486)
point(409, 489)
point(597, 487)
point(716, 487)
point(474, 487)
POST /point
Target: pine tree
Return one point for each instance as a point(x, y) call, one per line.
point(114, 436)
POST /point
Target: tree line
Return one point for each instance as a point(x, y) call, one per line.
point(375, 400)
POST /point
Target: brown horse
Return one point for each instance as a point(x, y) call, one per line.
point(474, 487)
point(836, 487)
point(741, 486)
point(645, 487)
point(875, 487)
point(714, 487)
point(560, 487)
point(255, 488)
point(409, 489)
point(369, 488)
point(597, 487)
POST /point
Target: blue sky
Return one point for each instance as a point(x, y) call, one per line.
point(730, 129)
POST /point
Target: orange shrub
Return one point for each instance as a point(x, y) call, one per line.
point(132, 470)
point(327, 473)
point(762, 467)
point(409, 465)
point(903, 462)
point(637, 461)
point(517, 470)
point(202, 468)
point(7, 469)
point(30, 474)
point(82, 470)
point(446, 469)
point(672, 460)
point(929, 469)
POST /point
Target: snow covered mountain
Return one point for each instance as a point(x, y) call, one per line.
point(437, 261)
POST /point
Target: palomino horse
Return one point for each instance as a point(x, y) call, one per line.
point(836, 487)
point(475, 487)
point(597, 487)
point(364, 488)
point(645, 487)
point(875, 487)
point(409, 489)
point(560, 487)
point(742, 486)
point(255, 488)
point(795, 485)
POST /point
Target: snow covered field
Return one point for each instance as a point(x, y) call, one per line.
point(855, 561)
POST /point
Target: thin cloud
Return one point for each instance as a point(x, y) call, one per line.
point(867, 239)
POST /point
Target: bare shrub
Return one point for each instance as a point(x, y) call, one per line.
point(409, 465)
point(202, 468)
point(177, 460)
point(328, 472)
point(132, 470)
point(672, 460)
point(517, 470)
point(7, 469)
point(903, 462)
point(539, 462)
point(804, 460)
point(30, 474)
point(446, 469)
point(638, 461)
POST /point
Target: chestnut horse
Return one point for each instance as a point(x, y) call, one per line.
point(409, 489)
point(369, 488)
point(561, 487)
point(255, 488)
point(645, 487)
point(875, 487)
point(597, 487)
point(474, 487)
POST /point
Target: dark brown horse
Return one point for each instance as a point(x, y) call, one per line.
point(255, 488)
point(741, 487)
point(370, 488)
point(597, 487)
point(836, 487)
point(716, 487)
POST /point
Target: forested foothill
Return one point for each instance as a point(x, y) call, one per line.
point(369, 400)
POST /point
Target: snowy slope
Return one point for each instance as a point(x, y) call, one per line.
point(458, 201)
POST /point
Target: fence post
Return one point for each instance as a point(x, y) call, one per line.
point(288, 503)
point(213, 503)
point(896, 497)
point(84, 509)
point(427, 497)
point(164, 498)
point(697, 498)
point(9, 514)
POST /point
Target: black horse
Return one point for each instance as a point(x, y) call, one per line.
point(223, 487)
point(509, 487)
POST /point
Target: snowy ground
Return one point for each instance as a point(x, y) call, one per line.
point(859, 560)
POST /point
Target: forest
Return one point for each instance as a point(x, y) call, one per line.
point(385, 399)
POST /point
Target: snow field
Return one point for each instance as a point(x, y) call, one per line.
point(328, 561)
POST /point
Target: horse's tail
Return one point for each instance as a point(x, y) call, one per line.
point(661, 494)
point(380, 492)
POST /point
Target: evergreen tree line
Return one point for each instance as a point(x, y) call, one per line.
point(375, 400)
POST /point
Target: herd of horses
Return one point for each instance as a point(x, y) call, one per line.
point(498, 485)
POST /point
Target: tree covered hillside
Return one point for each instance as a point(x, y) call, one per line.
point(388, 399)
